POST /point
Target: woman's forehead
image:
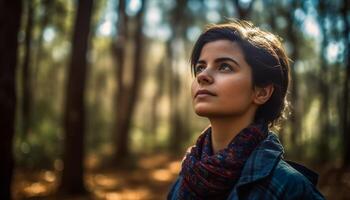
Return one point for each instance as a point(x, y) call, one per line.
point(220, 48)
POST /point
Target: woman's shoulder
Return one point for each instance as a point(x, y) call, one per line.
point(295, 172)
point(284, 182)
point(294, 181)
point(266, 175)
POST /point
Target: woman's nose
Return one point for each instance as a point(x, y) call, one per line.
point(205, 77)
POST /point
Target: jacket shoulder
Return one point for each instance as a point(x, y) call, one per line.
point(288, 183)
point(284, 182)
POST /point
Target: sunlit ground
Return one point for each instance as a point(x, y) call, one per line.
point(151, 179)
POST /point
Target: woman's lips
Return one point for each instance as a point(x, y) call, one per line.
point(204, 93)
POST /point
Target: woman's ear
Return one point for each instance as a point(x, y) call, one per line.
point(263, 94)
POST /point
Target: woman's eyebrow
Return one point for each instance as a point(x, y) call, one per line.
point(201, 62)
point(227, 59)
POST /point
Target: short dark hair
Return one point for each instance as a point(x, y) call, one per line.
point(266, 56)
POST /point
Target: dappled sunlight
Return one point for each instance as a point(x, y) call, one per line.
point(49, 176)
point(162, 175)
point(99, 193)
point(152, 162)
point(106, 181)
point(123, 195)
point(35, 189)
point(167, 174)
point(151, 179)
point(174, 167)
point(140, 193)
point(33, 184)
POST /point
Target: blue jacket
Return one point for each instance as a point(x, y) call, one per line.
point(266, 175)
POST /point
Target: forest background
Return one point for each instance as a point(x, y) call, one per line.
point(95, 95)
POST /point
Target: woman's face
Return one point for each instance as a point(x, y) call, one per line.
point(223, 84)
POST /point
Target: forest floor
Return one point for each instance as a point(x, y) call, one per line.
point(150, 178)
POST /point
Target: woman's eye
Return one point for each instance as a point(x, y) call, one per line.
point(225, 67)
point(198, 69)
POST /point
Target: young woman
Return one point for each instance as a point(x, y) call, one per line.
point(241, 80)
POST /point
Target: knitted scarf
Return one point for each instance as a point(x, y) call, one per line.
point(212, 176)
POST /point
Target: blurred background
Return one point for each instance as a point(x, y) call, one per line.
point(95, 95)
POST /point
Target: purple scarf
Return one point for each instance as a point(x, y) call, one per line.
point(212, 176)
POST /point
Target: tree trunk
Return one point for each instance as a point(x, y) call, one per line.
point(119, 51)
point(131, 92)
point(346, 108)
point(74, 116)
point(178, 125)
point(26, 75)
point(10, 15)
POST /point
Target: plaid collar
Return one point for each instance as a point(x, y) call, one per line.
point(262, 160)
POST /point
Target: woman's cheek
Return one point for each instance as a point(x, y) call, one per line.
point(193, 88)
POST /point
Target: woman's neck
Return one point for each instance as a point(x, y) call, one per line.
point(223, 130)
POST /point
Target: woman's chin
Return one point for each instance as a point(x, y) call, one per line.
point(203, 112)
